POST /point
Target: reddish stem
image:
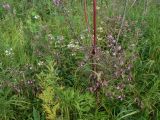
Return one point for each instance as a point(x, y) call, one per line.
point(94, 38)
point(94, 27)
point(86, 16)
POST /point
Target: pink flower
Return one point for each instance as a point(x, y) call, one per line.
point(56, 2)
point(6, 6)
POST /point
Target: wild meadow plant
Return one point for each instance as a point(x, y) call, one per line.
point(46, 63)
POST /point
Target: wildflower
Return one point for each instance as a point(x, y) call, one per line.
point(115, 66)
point(121, 62)
point(40, 63)
point(109, 95)
point(36, 17)
point(71, 45)
point(30, 82)
point(99, 38)
point(107, 52)
point(82, 37)
point(97, 84)
point(91, 89)
point(132, 45)
point(119, 48)
point(129, 67)
point(9, 52)
point(129, 77)
point(102, 22)
point(73, 54)
point(120, 97)
point(119, 18)
point(120, 86)
point(81, 64)
point(104, 83)
point(56, 2)
point(114, 54)
point(60, 38)
point(16, 88)
point(110, 37)
point(50, 37)
point(6, 6)
point(97, 7)
point(100, 29)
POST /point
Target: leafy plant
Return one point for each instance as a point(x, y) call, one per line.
point(8, 104)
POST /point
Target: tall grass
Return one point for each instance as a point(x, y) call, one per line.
point(45, 66)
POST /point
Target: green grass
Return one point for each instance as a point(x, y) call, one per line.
point(45, 65)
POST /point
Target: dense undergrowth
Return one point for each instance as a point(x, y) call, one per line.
point(46, 67)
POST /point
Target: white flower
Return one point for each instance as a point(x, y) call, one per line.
point(60, 38)
point(107, 52)
point(71, 45)
point(119, 48)
point(36, 17)
point(132, 45)
point(97, 7)
point(40, 63)
point(9, 52)
point(102, 22)
point(120, 97)
point(100, 29)
point(114, 54)
point(82, 37)
point(73, 54)
point(118, 87)
point(99, 38)
point(50, 36)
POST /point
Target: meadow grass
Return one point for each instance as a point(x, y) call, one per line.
point(45, 65)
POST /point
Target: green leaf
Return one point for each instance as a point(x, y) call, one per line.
point(36, 115)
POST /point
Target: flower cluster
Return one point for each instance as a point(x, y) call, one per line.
point(60, 38)
point(50, 37)
point(6, 6)
point(121, 65)
point(23, 86)
point(36, 17)
point(56, 2)
point(82, 36)
point(9, 52)
point(73, 45)
point(30, 82)
point(116, 66)
point(98, 85)
point(40, 63)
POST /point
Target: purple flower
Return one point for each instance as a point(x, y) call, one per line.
point(6, 6)
point(56, 2)
point(30, 82)
point(120, 97)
